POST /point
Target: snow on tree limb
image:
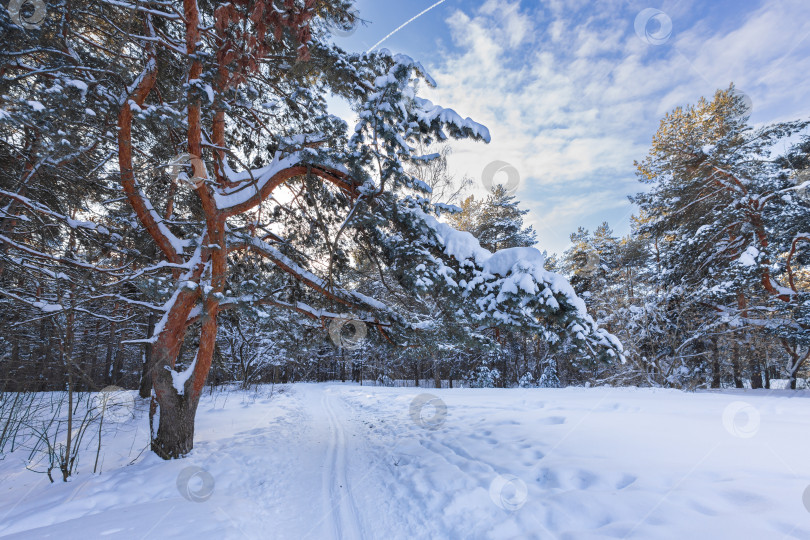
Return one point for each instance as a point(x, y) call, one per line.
point(511, 286)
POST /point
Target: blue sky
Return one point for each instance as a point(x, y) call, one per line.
point(572, 94)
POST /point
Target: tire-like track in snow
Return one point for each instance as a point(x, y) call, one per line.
point(338, 500)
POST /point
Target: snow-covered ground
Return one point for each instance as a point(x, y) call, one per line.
point(344, 461)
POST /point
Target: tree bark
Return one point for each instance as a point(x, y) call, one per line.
point(108, 361)
point(715, 363)
point(96, 353)
point(767, 370)
point(735, 365)
point(145, 389)
point(175, 435)
point(756, 374)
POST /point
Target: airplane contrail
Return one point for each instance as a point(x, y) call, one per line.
point(406, 23)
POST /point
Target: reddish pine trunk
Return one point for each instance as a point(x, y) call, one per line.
point(175, 435)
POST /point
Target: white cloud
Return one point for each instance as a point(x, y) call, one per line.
point(572, 96)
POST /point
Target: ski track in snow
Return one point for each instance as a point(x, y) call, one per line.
point(337, 491)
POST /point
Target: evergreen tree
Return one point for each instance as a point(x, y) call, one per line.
point(497, 221)
point(725, 216)
point(549, 379)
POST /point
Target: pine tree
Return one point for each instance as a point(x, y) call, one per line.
point(497, 221)
point(725, 216)
point(549, 379)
